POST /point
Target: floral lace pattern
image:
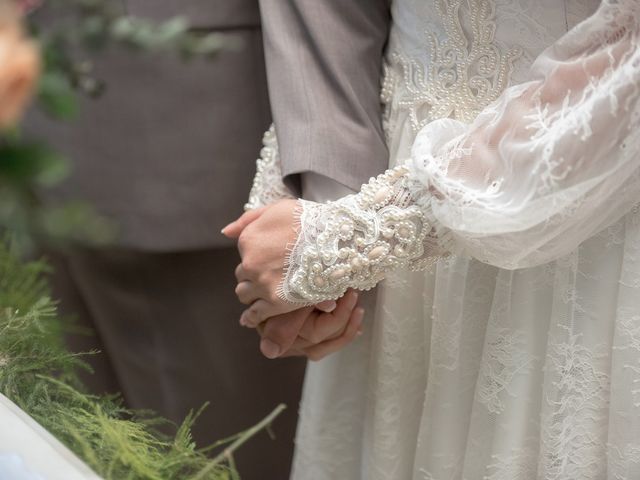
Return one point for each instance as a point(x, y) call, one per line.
point(519, 464)
point(467, 71)
point(268, 186)
point(505, 357)
point(578, 375)
point(355, 241)
point(474, 371)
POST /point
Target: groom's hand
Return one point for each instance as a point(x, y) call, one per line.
point(311, 333)
point(263, 235)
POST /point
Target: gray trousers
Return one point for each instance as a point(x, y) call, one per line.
point(167, 324)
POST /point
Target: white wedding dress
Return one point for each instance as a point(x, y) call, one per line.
point(516, 354)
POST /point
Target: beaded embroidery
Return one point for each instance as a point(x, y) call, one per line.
point(268, 186)
point(355, 241)
point(466, 71)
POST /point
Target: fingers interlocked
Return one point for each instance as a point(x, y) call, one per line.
point(286, 329)
point(310, 332)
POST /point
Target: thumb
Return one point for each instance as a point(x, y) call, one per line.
point(235, 228)
point(280, 332)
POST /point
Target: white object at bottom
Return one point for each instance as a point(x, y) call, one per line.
point(29, 452)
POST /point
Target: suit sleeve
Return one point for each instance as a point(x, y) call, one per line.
point(324, 62)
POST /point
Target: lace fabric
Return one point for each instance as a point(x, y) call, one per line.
point(466, 70)
point(470, 371)
point(356, 241)
point(554, 161)
point(525, 183)
point(524, 365)
point(268, 186)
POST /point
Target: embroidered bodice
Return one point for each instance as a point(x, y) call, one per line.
point(516, 153)
point(467, 55)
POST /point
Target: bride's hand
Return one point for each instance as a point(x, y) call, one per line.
point(263, 235)
point(311, 333)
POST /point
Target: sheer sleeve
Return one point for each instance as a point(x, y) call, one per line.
point(554, 161)
point(548, 165)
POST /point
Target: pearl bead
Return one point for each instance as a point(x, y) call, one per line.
point(338, 273)
point(376, 252)
point(381, 195)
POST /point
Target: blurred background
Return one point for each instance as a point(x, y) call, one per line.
point(149, 118)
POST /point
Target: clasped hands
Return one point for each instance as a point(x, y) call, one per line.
point(285, 329)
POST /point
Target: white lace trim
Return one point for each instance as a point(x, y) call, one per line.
point(268, 186)
point(355, 241)
point(343, 245)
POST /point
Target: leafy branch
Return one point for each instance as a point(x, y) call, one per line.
point(38, 374)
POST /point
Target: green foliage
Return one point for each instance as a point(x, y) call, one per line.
point(26, 168)
point(26, 163)
point(57, 97)
point(77, 30)
point(74, 33)
point(37, 373)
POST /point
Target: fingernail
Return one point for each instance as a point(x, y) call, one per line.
point(269, 349)
point(327, 306)
point(353, 298)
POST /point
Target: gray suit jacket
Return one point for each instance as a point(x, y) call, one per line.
point(324, 62)
point(169, 151)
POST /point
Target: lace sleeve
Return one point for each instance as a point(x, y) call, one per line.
point(355, 241)
point(553, 161)
point(268, 186)
point(548, 165)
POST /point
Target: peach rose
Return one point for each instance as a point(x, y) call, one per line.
point(19, 66)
